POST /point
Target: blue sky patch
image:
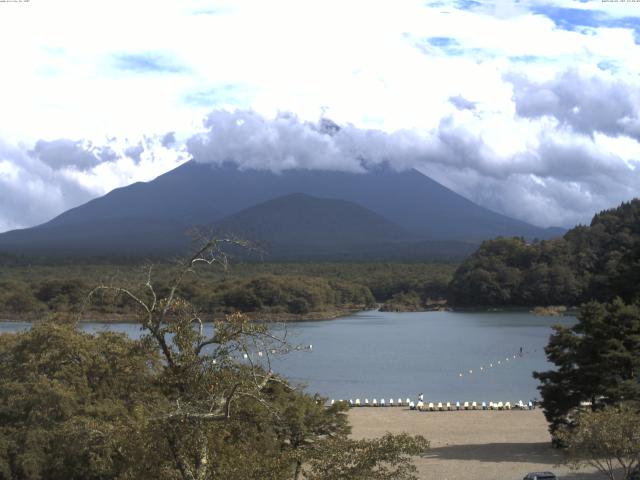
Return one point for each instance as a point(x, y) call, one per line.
point(148, 63)
point(576, 18)
point(570, 18)
point(442, 41)
point(526, 58)
point(213, 96)
point(466, 4)
point(608, 65)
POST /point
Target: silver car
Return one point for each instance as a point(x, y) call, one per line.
point(540, 476)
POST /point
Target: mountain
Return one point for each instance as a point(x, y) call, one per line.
point(154, 217)
point(305, 220)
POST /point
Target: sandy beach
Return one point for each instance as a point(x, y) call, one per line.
point(472, 445)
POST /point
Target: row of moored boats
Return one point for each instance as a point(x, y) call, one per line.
point(438, 407)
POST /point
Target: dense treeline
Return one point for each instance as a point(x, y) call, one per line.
point(597, 361)
point(601, 262)
point(266, 288)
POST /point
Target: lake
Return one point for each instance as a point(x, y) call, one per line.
point(383, 354)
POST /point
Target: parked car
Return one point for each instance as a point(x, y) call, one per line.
point(540, 476)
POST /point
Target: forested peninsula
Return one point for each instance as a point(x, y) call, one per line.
point(596, 262)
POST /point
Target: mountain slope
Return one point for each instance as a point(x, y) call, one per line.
point(302, 219)
point(154, 216)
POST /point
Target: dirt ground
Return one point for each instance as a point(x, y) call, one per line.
point(472, 445)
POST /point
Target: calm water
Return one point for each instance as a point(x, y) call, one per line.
point(382, 354)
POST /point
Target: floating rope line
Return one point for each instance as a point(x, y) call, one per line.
point(500, 362)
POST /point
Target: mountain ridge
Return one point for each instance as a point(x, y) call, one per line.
point(155, 215)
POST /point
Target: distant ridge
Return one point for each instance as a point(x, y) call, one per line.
point(318, 211)
point(299, 218)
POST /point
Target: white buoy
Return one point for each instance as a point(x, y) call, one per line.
point(470, 372)
point(460, 375)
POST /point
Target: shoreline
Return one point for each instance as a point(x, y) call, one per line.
point(269, 317)
point(114, 318)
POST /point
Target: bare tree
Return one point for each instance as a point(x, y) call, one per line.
point(206, 367)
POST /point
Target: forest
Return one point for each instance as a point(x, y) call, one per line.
point(30, 288)
point(596, 262)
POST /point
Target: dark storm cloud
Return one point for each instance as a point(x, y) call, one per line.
point(587, 104)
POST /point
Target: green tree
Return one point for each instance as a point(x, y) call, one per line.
point(597, 361)
point(385, 458)
point(608, 440)
point(71, 404)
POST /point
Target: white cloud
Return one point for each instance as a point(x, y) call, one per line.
point(38, 184)
point(95, 70)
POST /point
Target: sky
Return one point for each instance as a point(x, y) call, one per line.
point(529, 108)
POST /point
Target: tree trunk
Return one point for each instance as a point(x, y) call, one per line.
point(296, 475)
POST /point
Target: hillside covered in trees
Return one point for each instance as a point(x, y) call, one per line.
point(596, 262)
point(275, 290)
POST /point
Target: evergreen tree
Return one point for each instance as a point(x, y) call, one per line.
point(597, 360)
